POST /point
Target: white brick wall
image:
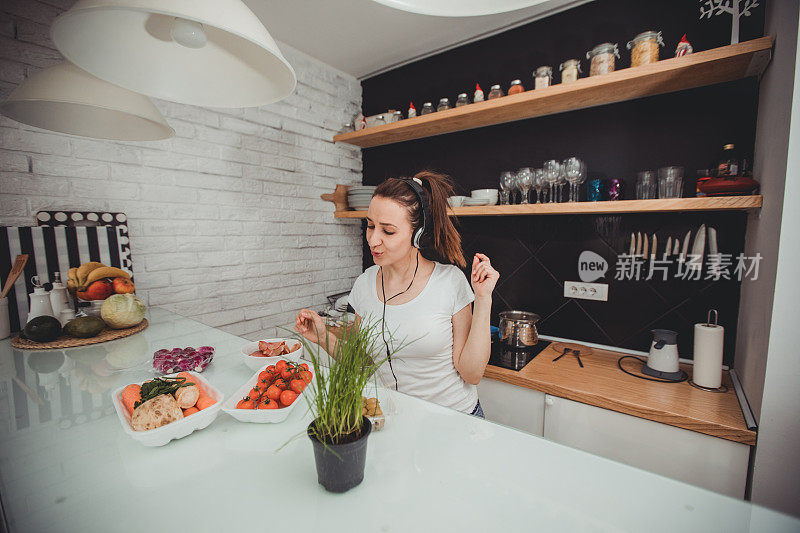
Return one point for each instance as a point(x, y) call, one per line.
point(226, 222)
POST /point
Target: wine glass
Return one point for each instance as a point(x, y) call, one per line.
point(538, 183)
point(572, 171)
point(525, 181)
point(552, 170)
point(506, 187)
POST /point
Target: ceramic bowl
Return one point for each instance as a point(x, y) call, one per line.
point(456, 201)
point(485, 193)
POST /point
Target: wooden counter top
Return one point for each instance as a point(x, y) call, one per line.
point(601, 383)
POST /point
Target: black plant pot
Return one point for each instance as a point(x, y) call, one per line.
point(340, 467)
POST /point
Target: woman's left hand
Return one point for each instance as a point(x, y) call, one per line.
point(484, 276)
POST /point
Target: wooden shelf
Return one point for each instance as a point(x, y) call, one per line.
point(718, 65)
point(707, 203)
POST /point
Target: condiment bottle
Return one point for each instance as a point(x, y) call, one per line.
point(516, 87)
point(40, 300)
point(478, 97)
point(462, 100)
point(728, 164)
point(569, 70)
point(645, 48)
point(495, 92)
point(427, 109)
point(58, 295)
point(684, 47)
point(444, 105)
point(412, 111)
point(543, 77)
point(603, 58)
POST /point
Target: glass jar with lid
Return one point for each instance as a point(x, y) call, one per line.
point(542, 77)
point(427, 109)
point(444, 104)
point(397, 115)
point(462, 100)
point(645, 48)
point(516, 87)
point(569, 70)
point(495, 92)
point(602, 58)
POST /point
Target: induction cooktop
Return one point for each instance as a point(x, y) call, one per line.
point(512, 358)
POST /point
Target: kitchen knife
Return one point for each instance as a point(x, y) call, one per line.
point(633, 245)
point(699, 246)
point(676, 246)
point(685, 248)
point(644, 246)
point(638, 243)
point(654, 247)
point(712, 241)
point(668, 249)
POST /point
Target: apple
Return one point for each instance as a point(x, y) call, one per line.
point(99, 290)
point(123, 285)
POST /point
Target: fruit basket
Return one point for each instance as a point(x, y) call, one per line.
point(66, 341)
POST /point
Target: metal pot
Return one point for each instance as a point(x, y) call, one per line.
point(518, 329)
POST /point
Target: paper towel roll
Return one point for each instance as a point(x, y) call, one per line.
point(708, 340)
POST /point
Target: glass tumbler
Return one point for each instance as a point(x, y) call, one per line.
point(646, 185)
point(670, 182)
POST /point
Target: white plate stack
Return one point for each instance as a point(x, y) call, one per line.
point(358, 196)
point(482, 197)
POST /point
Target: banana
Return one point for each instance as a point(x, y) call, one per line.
point(72, 274)
point(85, 269)
point(105, 272)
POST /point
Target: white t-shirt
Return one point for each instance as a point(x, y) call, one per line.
point(423, 328)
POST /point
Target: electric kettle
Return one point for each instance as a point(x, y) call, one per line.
point(663, 359)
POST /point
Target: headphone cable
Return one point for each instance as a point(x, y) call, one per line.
point(383, 318)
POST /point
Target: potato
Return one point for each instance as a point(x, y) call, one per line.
point(187, 396)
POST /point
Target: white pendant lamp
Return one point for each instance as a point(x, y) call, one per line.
point(67, 99)
point(459, 8)
point(213, 53)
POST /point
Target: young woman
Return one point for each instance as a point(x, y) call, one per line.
point(421, 306)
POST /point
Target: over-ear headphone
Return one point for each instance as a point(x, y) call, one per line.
point(416, 186)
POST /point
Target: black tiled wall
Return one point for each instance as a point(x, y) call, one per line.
point(535, 255)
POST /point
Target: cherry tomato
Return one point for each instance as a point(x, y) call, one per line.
point(271, 368)
point(262, 375)
point(246, 403)
point(267, 404)
point(297, 385)
point(286, 373)
point(264, 383)
point(255, 393)
point(274, 393)
point(303, 366)
point(281, 384)
point(306, 376)
point(287, 397)
point(280, 365)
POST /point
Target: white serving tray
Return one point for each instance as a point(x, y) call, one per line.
point(263, 416)
point(175, 430)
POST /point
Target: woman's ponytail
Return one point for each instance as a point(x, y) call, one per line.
point(442, 236)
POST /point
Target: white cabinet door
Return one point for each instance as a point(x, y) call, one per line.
point(511, 405)
point(709, 462)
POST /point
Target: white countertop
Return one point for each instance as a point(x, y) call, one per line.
point(66, 465)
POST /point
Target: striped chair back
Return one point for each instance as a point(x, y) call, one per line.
point(56, 249)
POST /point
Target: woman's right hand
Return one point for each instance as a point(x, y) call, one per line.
point(310, 325)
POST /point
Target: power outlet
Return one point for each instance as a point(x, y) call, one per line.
point(586, 291)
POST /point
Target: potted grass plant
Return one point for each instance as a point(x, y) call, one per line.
point(339, 432)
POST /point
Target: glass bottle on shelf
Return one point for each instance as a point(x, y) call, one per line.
point(569, 70)
point(462, 100)
point(543, 77)
point(444, 105)
point(603, 58)
point(427, 109)
point(516, 87)
point(645, 48)
point(728, 164)
point(495, 92)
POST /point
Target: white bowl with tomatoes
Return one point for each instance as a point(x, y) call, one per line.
point(256, 353)
point(271, 393)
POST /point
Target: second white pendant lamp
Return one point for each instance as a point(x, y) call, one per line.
point(213, 53)
point(67, 99)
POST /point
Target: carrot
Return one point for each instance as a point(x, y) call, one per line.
point(191, 379)
point(205, 401)
point(190, 411)
point(130, 395)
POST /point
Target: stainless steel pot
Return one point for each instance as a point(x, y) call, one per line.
point(518, 329)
